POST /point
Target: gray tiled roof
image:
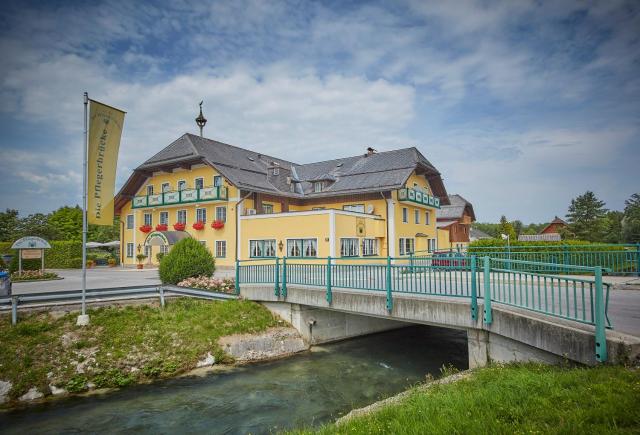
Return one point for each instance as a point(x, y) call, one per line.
point(455, 210)
point(254, 171)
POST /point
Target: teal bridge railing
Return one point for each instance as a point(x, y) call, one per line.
point(515, 283)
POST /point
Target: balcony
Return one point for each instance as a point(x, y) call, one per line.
point(418, 197)
point(186, 196)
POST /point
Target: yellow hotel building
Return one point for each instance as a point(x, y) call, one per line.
point(242, 204)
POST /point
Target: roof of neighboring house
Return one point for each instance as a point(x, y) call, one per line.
point(456, 209)
point(475, 233)
point(549, 237)
point(555, 221)
point(251, 171)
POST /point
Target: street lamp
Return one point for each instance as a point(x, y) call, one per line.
point(201, 120)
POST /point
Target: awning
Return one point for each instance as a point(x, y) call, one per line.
point(114, 244)
point(161, 238)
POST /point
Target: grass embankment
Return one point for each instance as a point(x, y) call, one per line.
point(514, 399)
point(123, 345)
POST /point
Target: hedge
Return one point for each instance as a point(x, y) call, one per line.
point(187, 259)
point(61, 256)
point(562, 245)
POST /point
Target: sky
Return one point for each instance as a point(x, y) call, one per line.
point(521, 105)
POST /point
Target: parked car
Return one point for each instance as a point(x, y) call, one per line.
point(448, 259)
point(5, 283)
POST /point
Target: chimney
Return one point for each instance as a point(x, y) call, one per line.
point(370, 152)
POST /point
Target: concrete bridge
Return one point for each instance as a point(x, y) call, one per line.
point(509, 315)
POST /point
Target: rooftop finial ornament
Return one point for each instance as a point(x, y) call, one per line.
point(201, 120)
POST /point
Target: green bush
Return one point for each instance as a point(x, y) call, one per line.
point(60, 256)
point(187, 259)
point(75, 263)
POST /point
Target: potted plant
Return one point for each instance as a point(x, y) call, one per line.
point(140, 258)
point(145, 228)
point(178, 226)
point(198, 226)
point(111, 261)
point(161, 227)
point(216, 225)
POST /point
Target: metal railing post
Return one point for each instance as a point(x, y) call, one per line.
point(329, 293)
point(601, 336)
point(388, 286)
point(237, 284)
point(161, 291)
point(14, 309)
point(283, 291)
point(276, 288)
point(487, 291)
point(474, 289)
point(411, 262)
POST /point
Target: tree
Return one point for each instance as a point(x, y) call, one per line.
point(506, 227)
point(36, 224)
point(103, 233)
point(613, 232)
point(631, 220)
point(8, 225)
point(517, 227)
point(586, 218)
point(67, 222)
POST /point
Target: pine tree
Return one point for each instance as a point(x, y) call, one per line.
point(631, 220)
point(507, 228)
point(586, 218)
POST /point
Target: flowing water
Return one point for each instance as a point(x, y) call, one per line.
point(305, 390)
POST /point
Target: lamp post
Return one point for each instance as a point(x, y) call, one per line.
point(201, 120)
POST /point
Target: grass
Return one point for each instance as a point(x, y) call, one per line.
point(514, 399)
point(123, 345)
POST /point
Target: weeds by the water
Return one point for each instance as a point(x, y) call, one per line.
point(527, 398)
point(122, 345)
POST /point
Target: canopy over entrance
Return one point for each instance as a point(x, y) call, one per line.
point(163, 238)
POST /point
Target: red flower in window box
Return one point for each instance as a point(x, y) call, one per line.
point(146, 228)
point(161, 227)
point(198, 226)
point(178, 226)
point(217, 225)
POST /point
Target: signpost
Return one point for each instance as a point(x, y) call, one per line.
point(30, 248)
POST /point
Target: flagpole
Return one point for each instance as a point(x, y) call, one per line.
point(83, 319)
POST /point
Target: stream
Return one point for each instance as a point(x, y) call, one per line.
point(305, 390)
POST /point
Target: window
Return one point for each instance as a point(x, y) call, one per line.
point(317, 186)
point(267, 208)
point(359, 208)
point(148, 219)
point(426, 218)
point(201, 215)
point(182, 185)
point(129, 221)
point(129, 250)
point(166, 187)
point(182, 216)
point(302, 247)
point(217, 180)
point(405, 215)
point(150, 189)
point(164, 218)
point(221, 248)
point(262, 248)
point(147, 252)
point(416, 213)
point(221, 214)
point(349, 247)
point(432, 245)
point(369, 247)
point(164, 249)
point(406, 246)
point(199, 183)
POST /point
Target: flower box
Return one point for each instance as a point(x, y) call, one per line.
point(178, 226)
point(161, 227)
point(146, 228)
point(217, 225)
point(198, 226)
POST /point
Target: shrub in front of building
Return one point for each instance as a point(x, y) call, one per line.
point(187, 259)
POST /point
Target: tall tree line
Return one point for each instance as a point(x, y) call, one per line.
point(63, 224)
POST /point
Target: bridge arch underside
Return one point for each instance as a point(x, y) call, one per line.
point(513, 335)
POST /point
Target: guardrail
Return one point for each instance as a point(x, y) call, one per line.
point(101, 295)
point(490, 279)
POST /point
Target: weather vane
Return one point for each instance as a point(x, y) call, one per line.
point(201, 120)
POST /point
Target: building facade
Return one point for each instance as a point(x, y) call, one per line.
point(454, 223)
point(242, 204)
